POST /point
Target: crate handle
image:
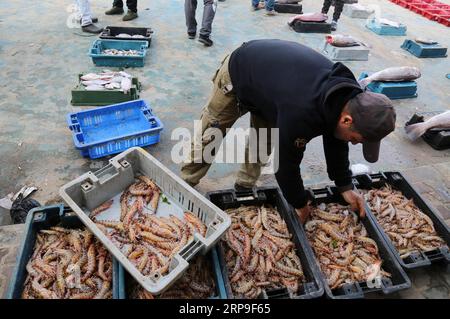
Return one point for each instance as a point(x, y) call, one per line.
point(374, 178)
point(106, 173)
point(148, 115)
point(437, 254)
point(73, 121)
point(95, 47)
point(353, 289)
point(280, 293)
point(245, 195)
point(396, 177)
point(188, 251)
point(408, 44)
point(322, 193)
point(75, 128)
point(366, 289)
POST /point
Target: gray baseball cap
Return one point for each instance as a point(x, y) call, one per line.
point(374, 118)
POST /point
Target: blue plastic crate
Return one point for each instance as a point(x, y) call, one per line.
point(115, 128)
point(383, 29)
point(100, 59)
point(421, 50)
point(41, 218)
point(220, 285)
point(393, 90)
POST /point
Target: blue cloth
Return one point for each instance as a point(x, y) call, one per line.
point(270, 4)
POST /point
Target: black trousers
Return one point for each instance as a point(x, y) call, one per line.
point(131, 4)
point(338, 7)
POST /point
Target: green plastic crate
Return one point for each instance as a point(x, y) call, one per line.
point(81, 97)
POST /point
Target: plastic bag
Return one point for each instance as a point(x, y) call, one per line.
point(21, 207)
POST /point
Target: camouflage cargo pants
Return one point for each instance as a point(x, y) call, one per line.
point(221, 111)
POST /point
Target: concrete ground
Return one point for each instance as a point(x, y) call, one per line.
point(40, 57)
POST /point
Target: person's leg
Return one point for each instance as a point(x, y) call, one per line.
point(338, 7)
point(251, 169)
point(118, 3)
point(209, 11)
point(221, 111)
point(79, 14)
point(117, 8)
point(132, 5)
point(132, 10)
point(270, 5)
point(190, 6)
point(86, 18)
point(326, 6)
point(255, 4)
point(85, 12)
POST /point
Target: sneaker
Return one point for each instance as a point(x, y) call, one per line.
point(333, 25)
point(255, 8)
point(207, 42)
point(270, 13)
point(242, 189)
point(131, 15)
point(91, 28)
point(114, 10)
point(191, 35)
point(93, 19)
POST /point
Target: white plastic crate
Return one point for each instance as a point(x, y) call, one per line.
point(356, 53)
point(357, 11)
point(90, 190)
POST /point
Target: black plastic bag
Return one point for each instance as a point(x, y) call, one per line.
point(20, 208)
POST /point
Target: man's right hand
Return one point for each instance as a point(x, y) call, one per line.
point(303, 213)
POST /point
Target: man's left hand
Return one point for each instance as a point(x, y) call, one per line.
point(356, 201)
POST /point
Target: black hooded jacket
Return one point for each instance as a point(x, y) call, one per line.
point(302, 93)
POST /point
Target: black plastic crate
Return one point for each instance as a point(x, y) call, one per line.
point(295, 8)
point(398, 182)
point(437, 138)
point(311, 27)
point(225, 199)
point(398, 281)
point(110, 33)
point(43, 218)
point(220, 292)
